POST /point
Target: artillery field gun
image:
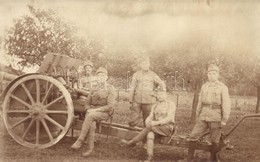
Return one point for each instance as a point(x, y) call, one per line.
point(38, 109)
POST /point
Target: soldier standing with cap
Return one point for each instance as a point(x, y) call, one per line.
point(99, 106)
point(213, 111)
point(142, 88)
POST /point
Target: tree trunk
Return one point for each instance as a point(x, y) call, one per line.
point(258, 100)
point(195, 102)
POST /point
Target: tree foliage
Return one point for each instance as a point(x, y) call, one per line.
point(40, 32)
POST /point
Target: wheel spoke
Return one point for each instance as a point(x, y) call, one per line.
point(21, 101)
point(38, 92)
point(21, 121)
point(28, 128)
point(54, 101)
point(55, 112)
point(37, 131)
point(28, 93)
point(18, 111)
point(53, 122)
point(47, 129)
point(47, 93)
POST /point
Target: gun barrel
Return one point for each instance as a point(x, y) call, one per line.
point(6, 76)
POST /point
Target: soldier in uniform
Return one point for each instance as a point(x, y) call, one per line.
point(142, 87)
point(99, 106)
point(159, 122)
point(213, 110)
point(85, 75)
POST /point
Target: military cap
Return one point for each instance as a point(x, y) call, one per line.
point(88, 63)
point(101, 70)
point(213, 67)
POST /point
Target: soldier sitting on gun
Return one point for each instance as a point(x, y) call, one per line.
point(159, 122)
point(99, 106)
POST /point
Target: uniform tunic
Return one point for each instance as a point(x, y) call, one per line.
point(101, 99)
point(164, 112)
point(213, 108)
point(214, 102)
point(87, 82)
point(142, 94)
point(142, 87)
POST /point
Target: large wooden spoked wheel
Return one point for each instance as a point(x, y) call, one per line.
point(37, 111)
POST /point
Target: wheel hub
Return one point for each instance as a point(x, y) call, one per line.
point(37, 111)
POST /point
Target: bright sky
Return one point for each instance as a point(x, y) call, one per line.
point(235, 24)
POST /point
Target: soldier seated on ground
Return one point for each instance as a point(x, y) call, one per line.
point(159, 122)
point(99, 106)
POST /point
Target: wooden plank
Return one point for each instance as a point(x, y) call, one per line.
point(123, 131)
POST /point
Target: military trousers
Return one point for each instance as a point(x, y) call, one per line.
point(136, 111)
point(90, 118)
point(202, 126)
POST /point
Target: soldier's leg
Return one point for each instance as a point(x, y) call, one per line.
point(89, 119)
point(198, 130)
point(146, 109)
point(91, 140)
point(142, 135)
point(150, 145)
point(134, 114)
point(215, 133)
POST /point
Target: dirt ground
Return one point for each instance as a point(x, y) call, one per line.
point(246, 141)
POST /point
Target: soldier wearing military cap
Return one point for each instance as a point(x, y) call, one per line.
point(160, 122)
point(85, 75)
point(213, 110)
point(142, 88)
point(99, 106)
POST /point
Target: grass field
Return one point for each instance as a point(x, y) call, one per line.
point(246, 140)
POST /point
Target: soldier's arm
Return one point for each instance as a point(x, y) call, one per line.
point(132, 87)
point(158, 81)
point(110, 100)
point(226, 105)
point(88, 101)
point(199, 105)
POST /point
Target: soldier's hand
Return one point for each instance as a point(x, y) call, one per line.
point(223, 124)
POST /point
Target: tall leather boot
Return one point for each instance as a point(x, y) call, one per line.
point(150, 145)
point(191, 151)
point(91, 140)
point(214, 151)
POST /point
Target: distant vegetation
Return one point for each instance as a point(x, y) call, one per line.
point(176, 42)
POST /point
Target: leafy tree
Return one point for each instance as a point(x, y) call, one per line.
point(38, 33)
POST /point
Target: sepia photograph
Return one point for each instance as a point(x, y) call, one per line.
point(130, 80)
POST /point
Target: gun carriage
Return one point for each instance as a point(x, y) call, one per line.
point(39, 108)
